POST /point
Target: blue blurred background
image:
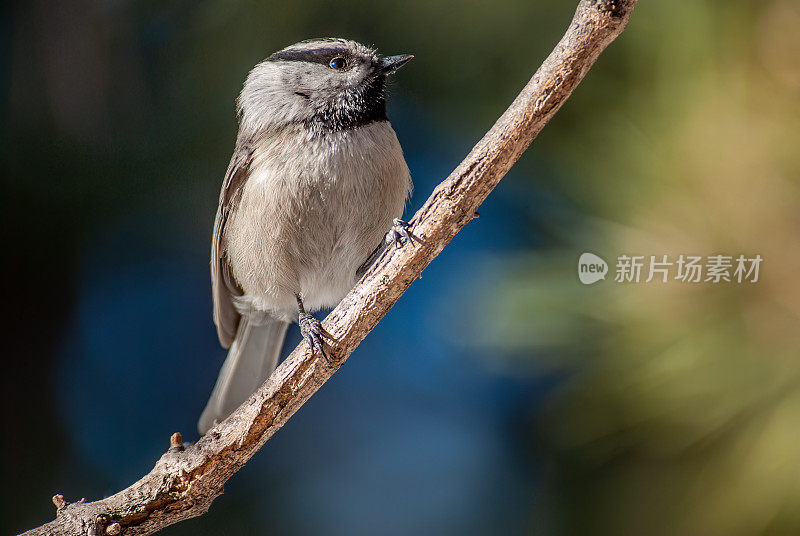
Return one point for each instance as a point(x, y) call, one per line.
point(499, 396)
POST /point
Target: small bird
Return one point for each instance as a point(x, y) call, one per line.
point(314, 191)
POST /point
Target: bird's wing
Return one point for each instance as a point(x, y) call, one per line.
point(223, 285)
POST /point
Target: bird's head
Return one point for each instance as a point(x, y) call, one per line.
point(327, 84)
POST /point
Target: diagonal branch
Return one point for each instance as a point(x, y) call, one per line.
point(188, 478)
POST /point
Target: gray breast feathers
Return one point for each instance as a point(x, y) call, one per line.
point(301, 218)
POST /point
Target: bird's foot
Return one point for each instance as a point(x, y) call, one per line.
point(399, 233)
point(312, 332)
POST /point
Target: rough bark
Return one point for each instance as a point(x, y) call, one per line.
point(186, 479)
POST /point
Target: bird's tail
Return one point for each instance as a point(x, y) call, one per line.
point(252, 357)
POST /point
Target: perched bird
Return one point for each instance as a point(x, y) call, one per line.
point(315, 188)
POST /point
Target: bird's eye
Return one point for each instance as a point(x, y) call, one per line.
point(337, 63)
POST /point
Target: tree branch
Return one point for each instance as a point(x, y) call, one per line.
point(186, 479)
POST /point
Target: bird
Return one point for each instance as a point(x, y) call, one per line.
point(314, 191)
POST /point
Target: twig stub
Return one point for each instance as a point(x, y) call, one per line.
point(59, 501)
point(176, 441)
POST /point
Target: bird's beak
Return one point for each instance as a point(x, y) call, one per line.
point(390, 64)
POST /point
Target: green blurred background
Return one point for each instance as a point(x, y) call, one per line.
point(546, 406)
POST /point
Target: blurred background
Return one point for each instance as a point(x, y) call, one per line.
point(500, 395)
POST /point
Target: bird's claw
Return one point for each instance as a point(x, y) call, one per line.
point(312, 332)
point(399, 232)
